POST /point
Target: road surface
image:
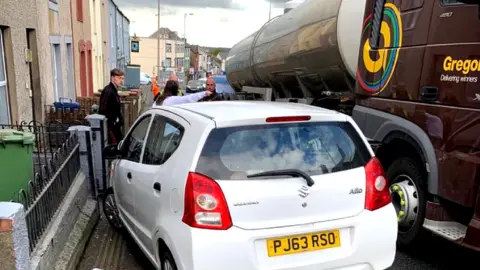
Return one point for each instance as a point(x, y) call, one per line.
point(109, 250)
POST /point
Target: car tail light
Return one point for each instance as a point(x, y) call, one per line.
point(288, 119)
point(377, 192)
point(205, 204)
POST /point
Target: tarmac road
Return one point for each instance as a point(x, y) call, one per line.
point(109, 250)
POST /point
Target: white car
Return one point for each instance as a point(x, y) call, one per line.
point(244, 185)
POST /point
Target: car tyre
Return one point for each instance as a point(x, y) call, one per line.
point(111, 212)
point(167, 261)
point(407, 172)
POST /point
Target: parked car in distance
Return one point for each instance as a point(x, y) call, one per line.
point(223, 86)
point(243, 185)
point(145, 79)
point(195, 86)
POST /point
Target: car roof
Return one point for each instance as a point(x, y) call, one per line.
point(244, 110)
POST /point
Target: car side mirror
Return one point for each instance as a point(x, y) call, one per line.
point(111, 152)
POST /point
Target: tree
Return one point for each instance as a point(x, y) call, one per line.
point(215, 52)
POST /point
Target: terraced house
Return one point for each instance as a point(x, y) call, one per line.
point(101, 34)
point(56, 49)
point(21, 97)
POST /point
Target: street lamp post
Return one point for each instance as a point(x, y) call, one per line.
point(185, 40)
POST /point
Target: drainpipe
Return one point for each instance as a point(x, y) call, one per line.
point(74, 47)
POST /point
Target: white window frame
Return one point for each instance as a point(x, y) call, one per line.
point(70, 67)
point(4, 82)
point(53, 5)
point(57, 74)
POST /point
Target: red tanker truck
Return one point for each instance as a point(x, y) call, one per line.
point(407, 71)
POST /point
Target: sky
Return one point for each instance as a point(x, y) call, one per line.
point(214, 23)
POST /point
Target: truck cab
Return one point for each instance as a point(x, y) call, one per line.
point(418, 93)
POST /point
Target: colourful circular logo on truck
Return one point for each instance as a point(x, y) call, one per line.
point(382, 67)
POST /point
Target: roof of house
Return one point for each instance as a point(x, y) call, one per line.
point(223, 55)
point(194, 48)
point(165, 33)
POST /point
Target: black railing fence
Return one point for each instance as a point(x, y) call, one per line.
point(56, 162)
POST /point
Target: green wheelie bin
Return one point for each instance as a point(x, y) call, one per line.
point(16, 165)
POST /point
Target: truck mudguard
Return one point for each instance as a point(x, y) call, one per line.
point(381, 124)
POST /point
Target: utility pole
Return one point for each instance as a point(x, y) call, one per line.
point(158, 42)
point(185, 68)
point(269, 11)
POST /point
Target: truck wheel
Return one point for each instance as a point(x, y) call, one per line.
point(110, 210)
point(408, 198)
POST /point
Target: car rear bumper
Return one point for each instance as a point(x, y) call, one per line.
point(368, 241)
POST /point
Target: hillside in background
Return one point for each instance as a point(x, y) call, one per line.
point(212, 48)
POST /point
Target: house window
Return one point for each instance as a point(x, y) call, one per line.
point(57, 71)
point(4, 103)
point(179, 48)
point(79, 6)
point(53, 5)
point(179, 62)
point(168, 62)
point(94, 10)
point(168, 47)
point(70, 72)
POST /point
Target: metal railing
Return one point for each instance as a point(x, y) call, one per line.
point(56, 162)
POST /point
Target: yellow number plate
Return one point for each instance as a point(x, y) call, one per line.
point(303, 243)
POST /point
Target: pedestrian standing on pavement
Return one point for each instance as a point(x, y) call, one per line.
point(155, 88)
point(111, 108)
point(170, 95)
point(173, 77)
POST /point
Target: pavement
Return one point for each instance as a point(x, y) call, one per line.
point(109, 250)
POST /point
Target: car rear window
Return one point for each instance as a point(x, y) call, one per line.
point(314, 147)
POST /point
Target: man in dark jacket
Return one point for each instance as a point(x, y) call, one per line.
point(110, 106)
point(211, 85)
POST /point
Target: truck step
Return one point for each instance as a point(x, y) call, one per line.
point(447, 229)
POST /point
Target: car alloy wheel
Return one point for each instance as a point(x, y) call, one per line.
point(111, 211)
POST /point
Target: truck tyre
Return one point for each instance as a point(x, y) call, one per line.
point(110, 210)
point(408, 196)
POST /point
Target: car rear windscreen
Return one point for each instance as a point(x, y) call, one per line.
point(313, 147)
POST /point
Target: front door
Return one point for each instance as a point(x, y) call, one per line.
point(128, 171)
point(450, 93)
point(153, 192)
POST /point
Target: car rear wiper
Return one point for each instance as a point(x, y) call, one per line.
point(287, 172)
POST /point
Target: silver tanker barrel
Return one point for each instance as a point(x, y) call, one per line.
point(311, 50)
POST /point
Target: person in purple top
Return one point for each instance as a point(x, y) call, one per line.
point(170, 92)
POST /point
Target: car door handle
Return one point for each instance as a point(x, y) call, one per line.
point(129, 175)
point(157, 186)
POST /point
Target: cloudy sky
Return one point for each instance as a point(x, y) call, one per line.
point(214, 23)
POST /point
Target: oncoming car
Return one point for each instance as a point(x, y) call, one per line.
point(243, 185)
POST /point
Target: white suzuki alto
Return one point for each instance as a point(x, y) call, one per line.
point(243, 185)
